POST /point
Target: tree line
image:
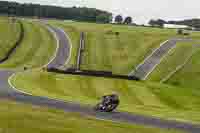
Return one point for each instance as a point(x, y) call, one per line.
point(119, 19)
point(45, 11)
point(189, 22)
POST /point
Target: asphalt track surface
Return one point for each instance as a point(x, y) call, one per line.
point(143, 70)
point(7, 92)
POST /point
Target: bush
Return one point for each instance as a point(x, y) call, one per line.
point(180, 32)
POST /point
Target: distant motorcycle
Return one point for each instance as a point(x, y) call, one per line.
point(108, 104)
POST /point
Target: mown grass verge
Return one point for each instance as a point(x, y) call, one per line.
point(22, 118)
point(153, 99)
point(36, 49)
point(10, 32)
point(188, 76)
point(109, 51)
point(172, 60)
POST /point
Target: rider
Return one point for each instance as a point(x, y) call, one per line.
point(110, 99)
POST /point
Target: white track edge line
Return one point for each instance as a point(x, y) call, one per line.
point(57, 45)
point(23, 92)
point(158, 62)
point(130, 74)
point(70, 43)
point(30, 94)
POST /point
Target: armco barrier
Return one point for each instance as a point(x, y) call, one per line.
point(105, 74)
point(80, 51)
point(17, 43)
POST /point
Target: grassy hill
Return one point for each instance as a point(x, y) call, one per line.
point(21, 118)
point(176, 57)
point(107, 51)
point(145, 98)
point(9, 34)
point(188, 76)
point(180, 67)
point(36, 48)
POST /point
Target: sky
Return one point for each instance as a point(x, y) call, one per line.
point(141, 10)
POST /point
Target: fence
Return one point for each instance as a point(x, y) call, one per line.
point(80, 51)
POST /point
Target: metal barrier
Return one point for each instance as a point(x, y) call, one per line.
point(80, 51)
point(105, 74)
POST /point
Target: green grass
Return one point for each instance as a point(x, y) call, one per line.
point(106, 51)
point(153, 99)
point(36, 49)
point(9, 34)
point(118, 54)
point(188, 76)
point(21, 118)
point(174, 58)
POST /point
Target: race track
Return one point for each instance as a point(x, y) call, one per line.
point(144, 69)
point(6, 91)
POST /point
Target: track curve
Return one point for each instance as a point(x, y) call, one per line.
point(6, 91)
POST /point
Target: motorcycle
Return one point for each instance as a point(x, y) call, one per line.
point(108, 104)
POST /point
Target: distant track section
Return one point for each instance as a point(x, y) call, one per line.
point(146, 67)
point(63, 51)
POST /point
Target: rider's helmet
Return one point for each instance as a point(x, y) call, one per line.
point(111, 99)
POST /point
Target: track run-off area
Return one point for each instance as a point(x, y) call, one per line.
point(62, 55)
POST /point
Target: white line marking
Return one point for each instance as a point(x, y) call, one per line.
point(179, 67)
point(14, 88)
point(55, 35)
point(70, 44)
point(159, 62)
point(50, 98)
point(57, 44)
point(130, 74)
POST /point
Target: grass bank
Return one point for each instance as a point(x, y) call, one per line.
point(22, 118)
point(35, 50)
point(9, 34)
point(153, 99)
point(176, 57)
point(110, 52)
point(188, 76)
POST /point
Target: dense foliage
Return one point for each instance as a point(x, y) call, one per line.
point(190, 22)
point(73, 13)
point(158, 22)
point(118, 19)
point(128, 20)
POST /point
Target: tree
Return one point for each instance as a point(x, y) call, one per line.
point(161, 22)
point(157, 23)
point(73, 13)
point(118, 19)
point(128, 20)
point(102, 18)
point(180, 32)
